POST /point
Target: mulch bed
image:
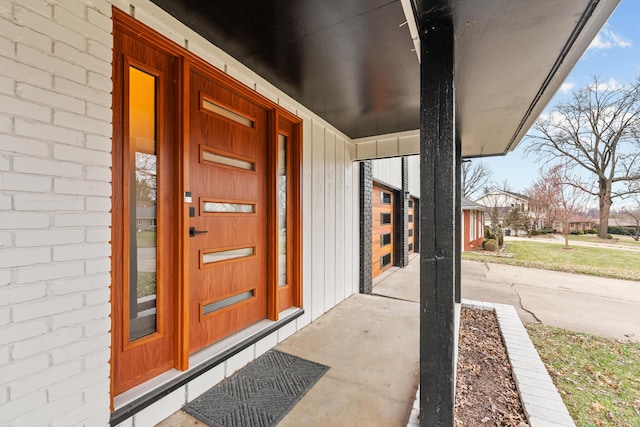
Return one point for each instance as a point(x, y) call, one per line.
point(486, 393)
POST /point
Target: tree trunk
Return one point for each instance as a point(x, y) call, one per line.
point(604, 196)
point(566, 240)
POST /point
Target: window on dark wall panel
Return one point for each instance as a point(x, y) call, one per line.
point(143, 204)
point(385, 218)
point(385, 260)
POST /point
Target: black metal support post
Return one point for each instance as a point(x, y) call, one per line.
point(437, 214)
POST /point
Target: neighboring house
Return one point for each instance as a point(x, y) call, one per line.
point(629, 221)
point(473, 217)
point(146, 218)
point(576, 223)
point(252, 125)
point(499, 203)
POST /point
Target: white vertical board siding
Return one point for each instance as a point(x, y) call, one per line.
point(331, 225)
point(340, 242)
point(353, 259)
point(307, 218)
point(330, 202)
point(55, 131)
point(388, 171)
point(318, 220)
point(414, 175)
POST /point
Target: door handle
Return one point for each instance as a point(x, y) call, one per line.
point(193, 231)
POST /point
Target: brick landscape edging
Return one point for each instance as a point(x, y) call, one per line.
point(541, 401)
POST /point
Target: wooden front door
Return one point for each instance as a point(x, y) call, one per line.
point(228, 212)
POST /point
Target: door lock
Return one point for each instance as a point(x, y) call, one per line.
point(193, 231)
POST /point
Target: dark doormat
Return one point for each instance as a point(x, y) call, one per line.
point(260, 394)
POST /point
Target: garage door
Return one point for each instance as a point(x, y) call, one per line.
point(411, 220)
point(382, 243)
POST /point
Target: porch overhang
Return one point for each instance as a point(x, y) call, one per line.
point(355, 64)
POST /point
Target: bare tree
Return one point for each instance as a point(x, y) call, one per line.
point(476, 175)
point(543, 201)
point(598, 131)
point(570, 200)
point(495, 211)
point(518, 219)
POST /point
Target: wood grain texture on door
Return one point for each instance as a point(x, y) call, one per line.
point(227, 180)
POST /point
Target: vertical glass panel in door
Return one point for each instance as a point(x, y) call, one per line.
point(282, 210)
point(143, 181)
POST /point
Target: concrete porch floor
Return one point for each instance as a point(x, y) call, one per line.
point(371, 344)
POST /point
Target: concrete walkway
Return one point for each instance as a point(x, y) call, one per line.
point(371, 344)
point(372, 347)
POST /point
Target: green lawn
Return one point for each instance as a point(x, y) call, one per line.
point(146, 239)
point(146, 284)
point(598, 378)
point(617, 264)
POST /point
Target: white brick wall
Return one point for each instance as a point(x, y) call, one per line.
point(55, 130)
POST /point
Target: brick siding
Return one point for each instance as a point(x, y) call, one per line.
point(55, 130)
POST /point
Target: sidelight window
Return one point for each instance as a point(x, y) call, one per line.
point(143, 192)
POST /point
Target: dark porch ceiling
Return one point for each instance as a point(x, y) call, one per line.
point(353, 62)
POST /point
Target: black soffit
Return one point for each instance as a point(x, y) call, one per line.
point(349, 61)
point(353, 63)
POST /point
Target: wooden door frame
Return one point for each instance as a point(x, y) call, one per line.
point(279, 121)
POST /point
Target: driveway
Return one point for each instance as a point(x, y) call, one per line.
point(596, 305)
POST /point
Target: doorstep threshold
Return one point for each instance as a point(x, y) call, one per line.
point(139, 397)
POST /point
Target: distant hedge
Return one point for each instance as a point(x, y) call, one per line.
point(613, 229)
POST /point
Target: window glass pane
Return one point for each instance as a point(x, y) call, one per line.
point(385, 218)
point(385, 198)
point(210, 308)
point(385, 260)
point(215, 108)
point(143, 196)
point(208, 156)
point(385, 239)
point(282, 210)
point(216, 207)
point(211, 257)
